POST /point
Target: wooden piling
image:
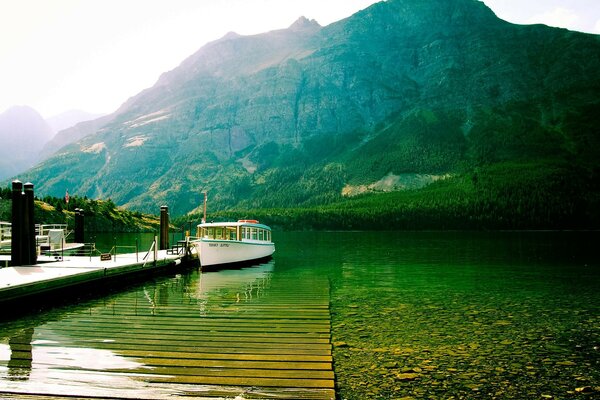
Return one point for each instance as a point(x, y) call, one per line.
point(164, 227)
point(29, 245)
point(79, 224)
point(17, 221)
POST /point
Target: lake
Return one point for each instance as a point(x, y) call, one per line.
point(413, 314)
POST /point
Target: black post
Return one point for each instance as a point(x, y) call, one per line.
point(79, 224)
point(16, 224)
point(29, 245)
point(164, 228)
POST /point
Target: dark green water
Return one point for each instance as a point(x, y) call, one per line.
point(443, 315)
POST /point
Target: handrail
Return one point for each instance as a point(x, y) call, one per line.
point(5, 230)
point(42, 229)
point(115, 249)
point(149, 250)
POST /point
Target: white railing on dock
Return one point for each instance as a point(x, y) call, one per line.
point(84, 250)
point(5, 235)
point(43, 230)
point(154, 250)
point(115, 251)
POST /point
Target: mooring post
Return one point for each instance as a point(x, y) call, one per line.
point(29, 244)
point(79, 223)
point(164, 227)
point(16, 224)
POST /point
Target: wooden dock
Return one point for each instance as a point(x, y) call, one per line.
point(19, 284)
point(233, 334)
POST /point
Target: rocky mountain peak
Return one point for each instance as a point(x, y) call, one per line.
point(304, 23)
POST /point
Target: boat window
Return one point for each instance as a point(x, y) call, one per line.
point(261, 234)
point(268, 238)
point(254, 233)
point(208, 233)
point(232, 235)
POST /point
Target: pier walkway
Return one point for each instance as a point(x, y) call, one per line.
point(56, 273)
point(231, 334)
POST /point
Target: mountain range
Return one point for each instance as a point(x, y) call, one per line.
point(23, 133)
point(27, 138)
point(402, 95)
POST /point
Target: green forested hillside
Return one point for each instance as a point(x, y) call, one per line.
point(100, 216)
point(549, 195)
point(411, 113)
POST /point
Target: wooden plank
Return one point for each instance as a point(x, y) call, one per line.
point(196, 349)
point(203, 343)
point(229, 364)
point(23, 352)
point(206, 331)
point(247, 381)
point(190, 391)
point(224, 317)
point(120, 322)
point(61, 358)
point(202, 371)
point(77, 331)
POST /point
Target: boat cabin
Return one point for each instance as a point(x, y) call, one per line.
point(241, 231)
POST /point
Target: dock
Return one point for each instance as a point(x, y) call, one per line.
point(232, 334)
point(21, 284)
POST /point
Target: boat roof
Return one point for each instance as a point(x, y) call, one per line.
point(243, 222)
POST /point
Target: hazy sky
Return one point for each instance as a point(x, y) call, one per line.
point(57, 55)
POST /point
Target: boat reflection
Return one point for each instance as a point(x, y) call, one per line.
point(244, 283)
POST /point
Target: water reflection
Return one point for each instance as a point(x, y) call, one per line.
point(19, 365)
point(128, 340)
point(244, 283)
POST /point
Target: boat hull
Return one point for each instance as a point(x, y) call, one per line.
point(216, 252)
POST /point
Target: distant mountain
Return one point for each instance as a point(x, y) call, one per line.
point(23, 133)
point(73, 133)
point(398, 96)
point(69, 119)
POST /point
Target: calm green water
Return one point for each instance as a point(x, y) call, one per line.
point(441, 315)
point(469, 315)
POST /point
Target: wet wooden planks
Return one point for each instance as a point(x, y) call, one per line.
point(269, 344)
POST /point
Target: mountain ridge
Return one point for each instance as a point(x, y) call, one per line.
point(294, 116)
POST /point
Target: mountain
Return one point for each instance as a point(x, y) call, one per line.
point(87, 124)
point(23, 133)
point(69, 119)
point(402, 95)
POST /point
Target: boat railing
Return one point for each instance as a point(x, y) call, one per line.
point(177, 248)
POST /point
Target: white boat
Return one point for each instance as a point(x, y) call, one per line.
point(243, 241)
